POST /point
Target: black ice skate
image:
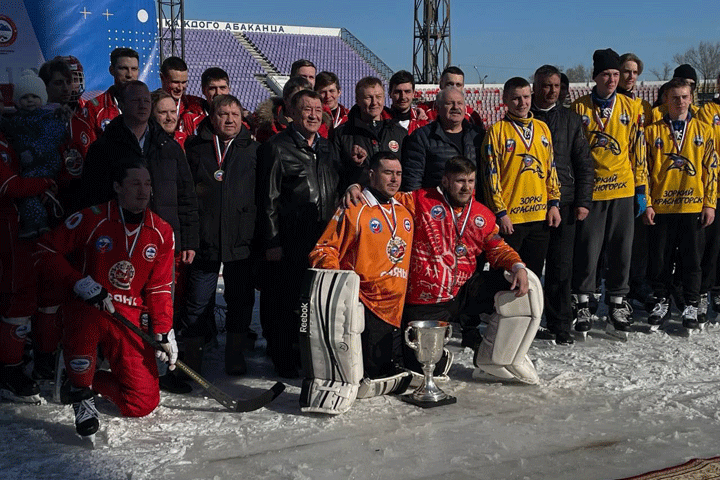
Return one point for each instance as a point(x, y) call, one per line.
point(659, 313)
point(690, 319)
point(619, 320)
point(702, 311)
point(86, 419)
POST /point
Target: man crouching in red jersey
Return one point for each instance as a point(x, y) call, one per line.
point(123, 260)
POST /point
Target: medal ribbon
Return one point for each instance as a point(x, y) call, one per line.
point(466, 210)
point(128, 233)
point(598, 119)
point(526, 133)
point(393, 224)
point(218, 156)
point(336, 120)
point(673, 134)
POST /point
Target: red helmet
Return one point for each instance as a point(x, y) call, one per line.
point(78, 76)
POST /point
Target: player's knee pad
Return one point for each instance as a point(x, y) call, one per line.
point(502, 354)
point(331, 321)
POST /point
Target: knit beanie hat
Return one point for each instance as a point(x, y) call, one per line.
point(606, 59)
point(685, 71)
point(29, 83)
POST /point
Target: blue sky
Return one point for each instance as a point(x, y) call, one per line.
point(500, 39)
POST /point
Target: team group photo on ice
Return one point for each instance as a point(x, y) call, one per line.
point(367, 237)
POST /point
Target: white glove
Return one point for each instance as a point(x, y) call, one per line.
point(169, 353)
point(94, 294)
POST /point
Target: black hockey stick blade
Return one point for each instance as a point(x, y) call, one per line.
point(239, 405)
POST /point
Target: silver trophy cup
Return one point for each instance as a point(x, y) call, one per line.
point(428, 338)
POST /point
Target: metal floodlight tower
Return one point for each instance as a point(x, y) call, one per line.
point(431, 48)
point(171, 28)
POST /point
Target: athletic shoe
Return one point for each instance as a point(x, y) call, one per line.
point(86, 417)
point(702, 308)
point(660, 312)
point(544, 334)
point(564, 338)
point(620, 315)
point(690, 317)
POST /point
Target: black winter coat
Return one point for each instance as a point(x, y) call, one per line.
point(227, 208)
point(388, 137)
point(428, 148)
point(173, 197)
point(574, 166)
point(297, 192)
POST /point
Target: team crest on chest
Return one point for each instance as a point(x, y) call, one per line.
point(407, 224)
point(479, 221)
point(393, 146)
point(699, 140)
point(624, 118)
point(150, 252)
point(605, 141)
point(121, 275)
point(104, 244)
point(510, 145)
point(678, 162)
point(375, 225)
point(396, 249)
point(437, 212)
point(532, 164)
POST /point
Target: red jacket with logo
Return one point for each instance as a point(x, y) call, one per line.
point(442, 261)
point(190, 114)
point(97, 237)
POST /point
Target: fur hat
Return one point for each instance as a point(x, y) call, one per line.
point(29, 83)
point(606, 59)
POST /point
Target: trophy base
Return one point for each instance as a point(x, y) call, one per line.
point(428, 404)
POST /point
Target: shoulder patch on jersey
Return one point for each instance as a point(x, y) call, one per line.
point(699, 140)
point(716, 119)
point(659, 143)
point(479, 221)
point(104, 244)
point(624, 118)
point(96, 210)
point(585, 120)
point(94, 101)
point(510, 145)
point(150, 252)
point(73, 162)
point(375, 225)
point(544, 141)
point(73, 220)
point(84, 139)
point(407, 224)
point(105, 123)
point(5, 158)
point(437, 212)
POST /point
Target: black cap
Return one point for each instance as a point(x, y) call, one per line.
point(685, 71)
point(607, 59)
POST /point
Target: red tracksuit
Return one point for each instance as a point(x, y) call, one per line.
point(138, 282)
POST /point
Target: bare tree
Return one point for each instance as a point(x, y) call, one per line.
point(578, 73)
point(705, 59)
point(665, 75)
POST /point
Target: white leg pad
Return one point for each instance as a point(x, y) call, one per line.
point(331, 321)
point(510, 332)
point(382, 386)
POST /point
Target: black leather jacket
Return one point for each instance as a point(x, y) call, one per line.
point(227, 208)
point(574, 166)
point(297, 192)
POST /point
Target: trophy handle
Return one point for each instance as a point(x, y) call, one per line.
point(448, 333)
point(410, 344)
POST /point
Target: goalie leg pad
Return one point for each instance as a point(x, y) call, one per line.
point(384, 386)
point(511, 330)
point(331, 321)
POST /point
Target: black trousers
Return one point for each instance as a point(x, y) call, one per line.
point(530, 240)
point(382, 347)
point(558, 272)
point(676, 235)
point(710, 257)
point(610, 223)
point(639, 260)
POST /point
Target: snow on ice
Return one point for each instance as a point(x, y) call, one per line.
point(605, 409)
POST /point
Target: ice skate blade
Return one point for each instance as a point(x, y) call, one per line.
point(30, 400)
point(87, 441)
point(619, 334)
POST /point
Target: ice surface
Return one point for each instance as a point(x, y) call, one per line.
point(604, 409)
